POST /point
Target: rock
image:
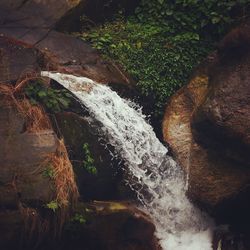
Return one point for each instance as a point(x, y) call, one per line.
point(94, 11)
point(35, 13)
point(21, 158)
point(216, 182)
point(31, 26)
point(108, 183)
point(20, 59)
point(22, 181)
point(17, 59)
point(71, 55)
point(11, 229)
point(222, 121)
point(111, 225)
point(37, 185)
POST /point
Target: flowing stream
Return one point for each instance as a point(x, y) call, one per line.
point(154, 176)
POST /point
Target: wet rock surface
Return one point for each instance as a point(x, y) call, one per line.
point(206, 124)
point(108, 183)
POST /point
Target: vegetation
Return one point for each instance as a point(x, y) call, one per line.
point(88, 162)
point(53, 205)
point(54, 100)
point(164, 40)
point(78, 218)
point(49, 172)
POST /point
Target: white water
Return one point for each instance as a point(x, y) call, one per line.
point(156, 178)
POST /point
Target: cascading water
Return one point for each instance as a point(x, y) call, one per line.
point(157, 179)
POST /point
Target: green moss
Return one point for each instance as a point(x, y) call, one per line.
point(159, 63)
point(163, 41)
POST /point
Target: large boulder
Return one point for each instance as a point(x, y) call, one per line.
point(57, 52)
point(23, 184)
point(108, 182)
point(213, 109)
point(37, 185)
point(23, 15)
point(32, 24)
point(21, 159)
point(225, 113)
point(110, 225)
point(17, 59)
point(34, 13)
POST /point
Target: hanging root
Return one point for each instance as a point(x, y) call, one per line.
point(35, 227)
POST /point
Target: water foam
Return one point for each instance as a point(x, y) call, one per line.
point(156, 178)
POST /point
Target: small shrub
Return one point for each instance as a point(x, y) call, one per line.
point(159, 63)
point(78, 218)
point(164, 40)
point(88, 162)
point(210, 18)
point(54, 100)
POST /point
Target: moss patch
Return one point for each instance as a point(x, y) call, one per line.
point(161, 43)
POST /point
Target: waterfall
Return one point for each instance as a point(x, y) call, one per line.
point(156, 178)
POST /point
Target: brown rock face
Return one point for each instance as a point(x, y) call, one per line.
point(112, 225)
point(207, 125)
point(38, 13)
point(31, 26)
point(222, 121)
point(17, 59)
point(22, 182)
point(21, 157)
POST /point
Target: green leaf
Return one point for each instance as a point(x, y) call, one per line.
point(216, 19)
point(41, 93)
point(64, 102)
point(169, 12)
point(53, 205)
point(138, 45)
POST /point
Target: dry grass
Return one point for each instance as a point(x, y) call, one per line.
point(34, 115)
point(66, 194)
point(66, 188)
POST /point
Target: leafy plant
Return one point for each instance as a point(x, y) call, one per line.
point(49, 172)
point(53, 99)
point(159, 63)
point(88, 162)
point(208, 17)
point(164, 40)
point(78, 218)
point(53, 205)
